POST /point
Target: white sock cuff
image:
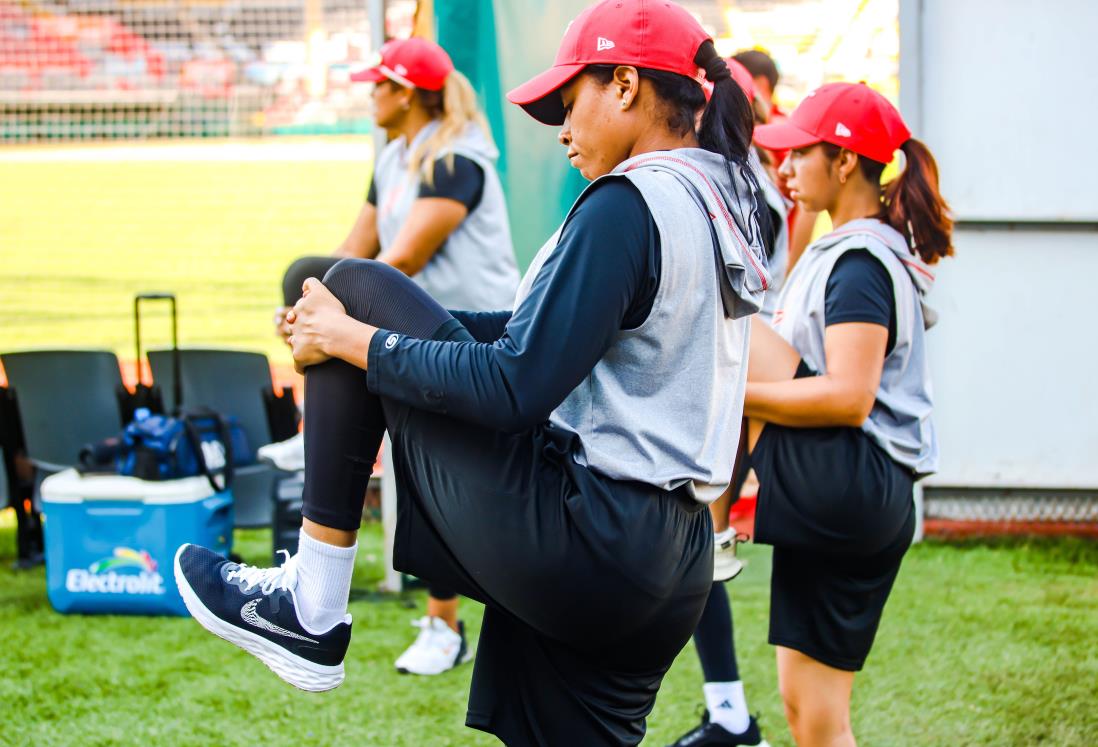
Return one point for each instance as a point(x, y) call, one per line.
point(323, 582)
point(309, 544)
point(727, 706)
point(725, 536)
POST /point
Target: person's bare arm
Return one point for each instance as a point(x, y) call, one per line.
point(430, 221)
point(362, 242)
point(843, 396)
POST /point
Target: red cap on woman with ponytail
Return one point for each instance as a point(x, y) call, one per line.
point(854, 117)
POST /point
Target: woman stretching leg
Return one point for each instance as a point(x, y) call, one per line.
point(536, 468)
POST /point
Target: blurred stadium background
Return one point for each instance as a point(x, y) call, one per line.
point(198, 146)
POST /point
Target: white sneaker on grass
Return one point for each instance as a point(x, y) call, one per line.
point(436, 649)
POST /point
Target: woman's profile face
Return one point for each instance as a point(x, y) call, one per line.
point(597, 137)
point(811, 177)
point(389, 100)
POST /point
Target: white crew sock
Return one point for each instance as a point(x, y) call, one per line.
point(727, 705)
point(323, 582)
point(725, 536)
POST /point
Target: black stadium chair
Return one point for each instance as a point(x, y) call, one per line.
point(231, 382)
point(67, 398)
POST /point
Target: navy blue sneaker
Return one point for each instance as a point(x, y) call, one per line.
point(256, 609)
point(709, 734)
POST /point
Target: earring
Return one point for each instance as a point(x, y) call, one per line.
point(842, 179)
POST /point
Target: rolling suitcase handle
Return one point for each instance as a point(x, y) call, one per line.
point(177, 383)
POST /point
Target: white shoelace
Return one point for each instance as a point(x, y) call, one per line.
point(267, 579)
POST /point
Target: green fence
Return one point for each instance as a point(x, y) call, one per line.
point(498, 45)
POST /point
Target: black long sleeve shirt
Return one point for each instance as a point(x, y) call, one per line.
point(601, 278)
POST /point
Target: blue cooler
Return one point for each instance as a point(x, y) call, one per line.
point(111, 540)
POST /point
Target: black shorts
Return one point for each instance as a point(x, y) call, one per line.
point(840, 515)
point(592, 586)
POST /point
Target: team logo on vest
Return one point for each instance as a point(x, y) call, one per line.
point(604, 44)
point(125, 572)
point(390, 342)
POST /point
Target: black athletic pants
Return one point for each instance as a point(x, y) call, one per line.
point(317, 267)
point(591, 586)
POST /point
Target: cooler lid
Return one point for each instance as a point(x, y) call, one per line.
point(70, 486)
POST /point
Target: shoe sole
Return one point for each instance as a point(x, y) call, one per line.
point(719, 579)
point(464, 658)
point(275, 465)
point(301, 673)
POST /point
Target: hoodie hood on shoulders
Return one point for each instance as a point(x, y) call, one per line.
point(724, 191)
point(474, 143)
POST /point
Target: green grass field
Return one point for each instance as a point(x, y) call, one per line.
point(83, 229)
point(980, 646)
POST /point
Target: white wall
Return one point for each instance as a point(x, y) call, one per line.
point(1006, 92)
point(1005, 95)
point(1015, 360)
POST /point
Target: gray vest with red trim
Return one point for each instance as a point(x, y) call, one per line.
point(474, 269)
point(900, 421)
point(663, 405)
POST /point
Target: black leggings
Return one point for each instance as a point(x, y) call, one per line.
point(299, 271)
point(713, 638)
point(339, 456)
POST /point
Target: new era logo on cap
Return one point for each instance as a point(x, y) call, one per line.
point(653, 34)
point(842, 130)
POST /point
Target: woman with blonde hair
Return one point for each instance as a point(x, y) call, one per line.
point(435, 211)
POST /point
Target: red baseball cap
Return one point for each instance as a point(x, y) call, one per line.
point(656, 34)
point(412, 63)
point(850, 115)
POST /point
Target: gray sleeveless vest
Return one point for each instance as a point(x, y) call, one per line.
point(778, 263)
point(900, 422)
point(475, 267)
point(663, 406)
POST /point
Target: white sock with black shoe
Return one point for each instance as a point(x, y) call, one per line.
point(727, 705)
point(323, 582)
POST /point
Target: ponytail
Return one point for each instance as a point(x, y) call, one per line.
point(728, 120)
point(727, 124)
point(455, 106)
point(913, 206)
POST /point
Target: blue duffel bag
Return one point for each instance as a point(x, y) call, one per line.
point(192, 443)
